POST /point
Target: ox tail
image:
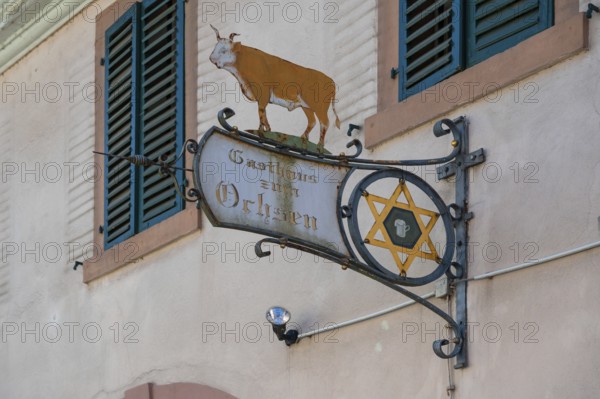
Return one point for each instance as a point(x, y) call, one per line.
point(337, 118)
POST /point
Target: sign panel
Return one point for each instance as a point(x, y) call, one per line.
point(248, 186)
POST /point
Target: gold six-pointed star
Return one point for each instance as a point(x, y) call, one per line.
point(423, 248)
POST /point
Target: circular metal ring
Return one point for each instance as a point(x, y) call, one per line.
point(361, 190)
point(346, 211)
point(460, 271)
point(457, 212)
point(439, 344)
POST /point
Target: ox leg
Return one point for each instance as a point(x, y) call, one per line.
point(262, 115)
point(310, 115)
point(323, 133)
point(324, 120)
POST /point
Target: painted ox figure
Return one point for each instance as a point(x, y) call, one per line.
point(267, 79)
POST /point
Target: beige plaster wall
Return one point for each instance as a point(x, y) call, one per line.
point(196, 307)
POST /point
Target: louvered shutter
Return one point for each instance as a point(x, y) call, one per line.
point(430, 43)
point(162, 102)
point(496, 25)
point(120, 126)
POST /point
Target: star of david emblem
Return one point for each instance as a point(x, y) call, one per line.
point(403, 226)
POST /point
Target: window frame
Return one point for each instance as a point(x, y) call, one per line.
point(567, 37)
point(184, 222)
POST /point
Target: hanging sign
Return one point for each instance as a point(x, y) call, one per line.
point(295, 192)
point(248, 186)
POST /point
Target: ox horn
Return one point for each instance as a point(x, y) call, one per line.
point(233, 35)
point(216, 31)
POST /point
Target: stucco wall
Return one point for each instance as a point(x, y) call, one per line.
point(195, 307)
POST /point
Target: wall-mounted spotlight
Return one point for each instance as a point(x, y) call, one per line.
point(279, 317)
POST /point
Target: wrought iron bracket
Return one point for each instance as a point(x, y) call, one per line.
point(452, 264)
point(166, 168)
point(459, 168)
point(352, 127)
point(461, 161)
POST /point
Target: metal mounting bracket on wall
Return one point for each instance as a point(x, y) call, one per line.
point(459, 167)
point(324, 205)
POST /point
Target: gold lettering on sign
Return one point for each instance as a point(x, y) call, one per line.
point(280, 182)
point(276, 169)
point(234, 156)
point(284, 189)
point(294, 216)
point(246, 206)
point(227, 195)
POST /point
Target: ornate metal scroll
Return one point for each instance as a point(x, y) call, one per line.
point(406, 211)
point(401, 226)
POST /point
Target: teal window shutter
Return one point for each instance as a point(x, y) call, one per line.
point(496, 25)
point(144, 114)
point(120, 109)
point(430, 43)
point(162, 103)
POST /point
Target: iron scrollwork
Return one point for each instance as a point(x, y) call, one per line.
point(452, 263)
point(358, 257)
point(166, 168)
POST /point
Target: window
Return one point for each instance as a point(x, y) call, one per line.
point(491, 68)
point(144, 115)
point(440, 38)
point(146, 70)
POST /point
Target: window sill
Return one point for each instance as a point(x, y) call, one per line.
point(142, 244)
point(541, 51)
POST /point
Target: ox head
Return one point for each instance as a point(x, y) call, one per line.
point(224, 52)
